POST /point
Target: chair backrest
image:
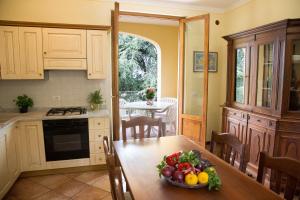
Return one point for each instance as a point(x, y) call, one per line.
point(106, 146)
point(172, 113)
point(230, 147)
point(280, 166)
point(114, 172)
point(168, 99)
point(122, 102)
point(142, 122)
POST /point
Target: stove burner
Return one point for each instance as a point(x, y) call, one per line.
point(66, 111)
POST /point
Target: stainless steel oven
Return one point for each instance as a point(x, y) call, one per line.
point(66, 139)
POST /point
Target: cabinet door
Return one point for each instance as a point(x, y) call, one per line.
point(9, 52)
point(32, 145)
point(12, 153)
point(259, 139)
point(97, 54)
point(4, 172)
point(31, 56)
point(237, 128)
point(241, 70)
point(64, 43)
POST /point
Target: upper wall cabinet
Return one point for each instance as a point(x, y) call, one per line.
point(21, 53)
point(97, 54)
point(64, 43)
point(9, 52)
point(31, 57)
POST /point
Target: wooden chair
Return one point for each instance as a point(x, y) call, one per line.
point(230, 147)
point(114, 172)
point(280, 166)
point(141, 122)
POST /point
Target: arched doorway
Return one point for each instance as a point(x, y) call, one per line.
point(139, 66)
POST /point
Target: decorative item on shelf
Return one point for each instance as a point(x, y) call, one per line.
point(23, 102)
point(150, 94)
point(95, 100)
point(189, 170)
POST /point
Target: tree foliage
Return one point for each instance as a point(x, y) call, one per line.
point(137, 64)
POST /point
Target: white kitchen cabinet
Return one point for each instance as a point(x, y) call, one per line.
point(31, 56)
point(12, 152)
point(64, 64)
point(97, 54)
point(9, 159)
point(64, 43)
point(32, 144)
point(21, 53)
point(98, 128)
point(9, 52)
point(4, 172)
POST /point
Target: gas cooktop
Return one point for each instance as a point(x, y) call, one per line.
point(66, 111)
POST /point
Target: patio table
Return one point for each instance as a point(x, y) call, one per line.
point(142, 105)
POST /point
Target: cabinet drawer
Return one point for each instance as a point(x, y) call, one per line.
point(96, 147)
point(97, 159)
point(237, 114)
point(97, 135)
point(65, 64)
point(261, 121)
point(64, 43)
point(98, 123)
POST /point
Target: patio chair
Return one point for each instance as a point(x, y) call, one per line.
point(168, 115)
point(123, 112)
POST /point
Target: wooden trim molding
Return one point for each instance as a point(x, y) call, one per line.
point(115, 71)
point(137, 14)
point(53, 25)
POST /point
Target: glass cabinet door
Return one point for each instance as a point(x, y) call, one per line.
point(240, 75)
point(295, 79)
point(264, 75)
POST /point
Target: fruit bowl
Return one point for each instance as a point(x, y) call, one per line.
point(183, 185)
point(189, 170)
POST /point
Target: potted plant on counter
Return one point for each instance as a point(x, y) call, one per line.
point(95, 100)
point(23, 102)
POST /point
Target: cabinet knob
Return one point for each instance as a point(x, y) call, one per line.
point(40, 74)
point(45, 52)
point(99, 135)
point(258, 120)
point(90, 74)
point(99, 147)
point(99, 123)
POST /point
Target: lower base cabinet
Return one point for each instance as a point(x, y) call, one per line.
point(22, 149)
point(277, 137)
point(32, 150)
point(9, 160)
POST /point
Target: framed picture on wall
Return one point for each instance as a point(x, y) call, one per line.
point(199, 61)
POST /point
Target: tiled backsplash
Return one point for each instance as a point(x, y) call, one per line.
point(59, 88)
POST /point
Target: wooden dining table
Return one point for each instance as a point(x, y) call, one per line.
point(138, 159)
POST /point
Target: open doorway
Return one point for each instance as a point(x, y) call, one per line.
point(148, 52)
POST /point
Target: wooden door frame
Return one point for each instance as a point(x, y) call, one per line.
point(182, 116)
point(115, 64)
point(115, 71)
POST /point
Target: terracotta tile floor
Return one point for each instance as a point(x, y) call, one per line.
point(93, 185)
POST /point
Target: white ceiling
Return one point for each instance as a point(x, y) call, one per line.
point(208, 5)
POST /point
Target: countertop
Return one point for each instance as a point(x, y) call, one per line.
point(8, 118)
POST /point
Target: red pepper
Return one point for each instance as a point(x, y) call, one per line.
point(184, 166)
point(172, 159)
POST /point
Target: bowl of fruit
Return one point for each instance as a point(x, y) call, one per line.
point(189, 170)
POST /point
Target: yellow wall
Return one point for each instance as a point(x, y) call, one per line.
point(167, 39)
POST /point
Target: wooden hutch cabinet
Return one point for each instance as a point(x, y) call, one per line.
point(263, 90)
